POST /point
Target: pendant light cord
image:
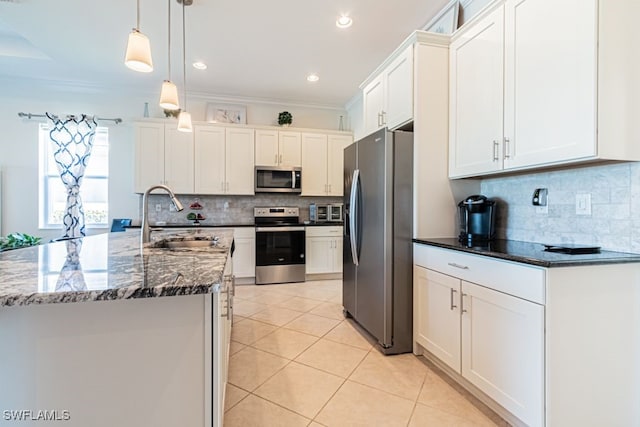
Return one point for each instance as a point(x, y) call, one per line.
point(169, 37)
point(138, 15)
point(184, 59)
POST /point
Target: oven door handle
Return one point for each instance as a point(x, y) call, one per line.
point(278, 229)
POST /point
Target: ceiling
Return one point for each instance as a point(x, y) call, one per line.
point(254, 49)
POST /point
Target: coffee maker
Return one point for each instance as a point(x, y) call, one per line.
point(477, 219)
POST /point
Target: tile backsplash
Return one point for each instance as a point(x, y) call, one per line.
point(238, 211)
point(614, 222)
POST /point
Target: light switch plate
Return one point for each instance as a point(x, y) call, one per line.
point(583, 204)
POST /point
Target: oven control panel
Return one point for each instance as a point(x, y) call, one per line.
point(276, 212)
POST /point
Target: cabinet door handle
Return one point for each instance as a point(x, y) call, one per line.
point(462, 267)
point(384, 120)
point(507, 148)
point(464, 310)
point(227, 186)
point(275, 159)
point(329, 189)
point(496, 146)
point(280, 158)
point(452, 296)
point(221, 185)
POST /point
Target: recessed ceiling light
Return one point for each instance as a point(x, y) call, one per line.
point(344, 21)
point(199, 65)
point(313, 78)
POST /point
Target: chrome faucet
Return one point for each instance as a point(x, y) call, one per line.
point(145, 236)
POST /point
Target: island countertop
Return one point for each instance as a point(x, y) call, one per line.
point(113, 266)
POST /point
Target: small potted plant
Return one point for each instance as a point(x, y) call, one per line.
point(285, 118)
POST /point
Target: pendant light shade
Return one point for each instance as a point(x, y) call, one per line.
point(138, 56)
point(169, 96)
point(184, 122)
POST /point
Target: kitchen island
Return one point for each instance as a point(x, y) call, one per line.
point(100, 331)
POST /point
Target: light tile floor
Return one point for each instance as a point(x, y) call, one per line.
point(295, 360)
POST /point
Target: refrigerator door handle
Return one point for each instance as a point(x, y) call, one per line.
point(353, 215)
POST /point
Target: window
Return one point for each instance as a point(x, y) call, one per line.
point(94, 190)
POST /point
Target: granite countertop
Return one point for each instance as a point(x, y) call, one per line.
point(191, 225)
point(531, 253)
point(113, 266)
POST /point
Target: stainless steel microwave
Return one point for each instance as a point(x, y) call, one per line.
point(278, 180)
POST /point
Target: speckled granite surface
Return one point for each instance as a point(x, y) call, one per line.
point(113, 266)
point(531, 253)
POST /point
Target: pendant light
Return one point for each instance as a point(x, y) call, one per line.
point(169, 92)
point(138, 54)
point(184, 119)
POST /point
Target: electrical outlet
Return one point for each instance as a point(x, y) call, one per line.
point(158, 207)
point(583, 204)
point(226, 205)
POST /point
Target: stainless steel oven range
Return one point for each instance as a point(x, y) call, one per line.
point(280, 245)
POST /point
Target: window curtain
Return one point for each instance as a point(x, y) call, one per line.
point(72, 139)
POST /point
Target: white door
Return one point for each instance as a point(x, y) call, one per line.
point(239, 161)
point(266, 147)
point(319, 256)
point(209, 159)
point(290, 149)
point(550, 81)
point(178, 160)
point(149, 142)
point(372, 105)
point(476, 98)
point(503, 350)
point(437, 314)
point(335, 163)
point(314, 164)
point(399, 90)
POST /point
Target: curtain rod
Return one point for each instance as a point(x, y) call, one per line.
point(30, 115)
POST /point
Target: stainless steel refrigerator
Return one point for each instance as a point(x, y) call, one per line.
point(378, 266)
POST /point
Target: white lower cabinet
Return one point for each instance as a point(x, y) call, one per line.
point(493, 338)
point(244, 257)
point(222, 315)
point(323, 250)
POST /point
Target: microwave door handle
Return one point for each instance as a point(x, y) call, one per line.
point(293, 176)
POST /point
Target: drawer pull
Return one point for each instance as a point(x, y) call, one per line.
point(462, 267)
point(453, 305)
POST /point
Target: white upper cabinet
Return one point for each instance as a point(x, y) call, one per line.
point(314, 164)
point(223, 161)
point(278, 148)
point(209, 159)
point(163, 156)
point(239, 164)
point(335, 162)
point(524, 97)
point(550, 81)
point(388, 97)
point(290, 148)
point(322, 163)
point(267, 153)
point(476, 98)
point(373, 105)
point(149, 148)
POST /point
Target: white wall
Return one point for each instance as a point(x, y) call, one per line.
point(19, 142)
